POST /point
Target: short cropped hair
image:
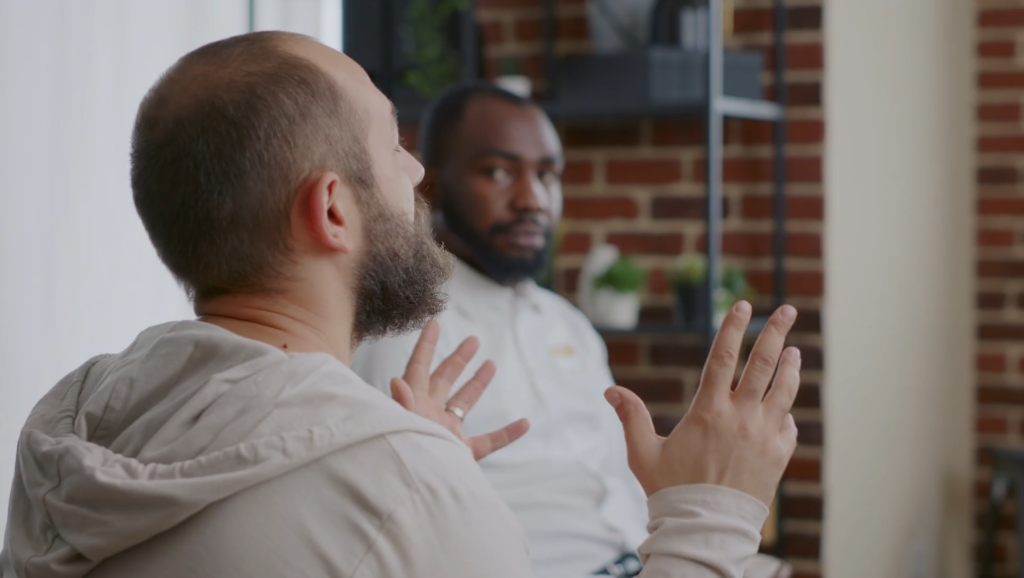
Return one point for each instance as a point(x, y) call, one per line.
point(440, 121)
point(222, 142)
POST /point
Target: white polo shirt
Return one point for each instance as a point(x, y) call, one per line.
point(567, 480)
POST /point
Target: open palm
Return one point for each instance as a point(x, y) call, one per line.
point(426, 394)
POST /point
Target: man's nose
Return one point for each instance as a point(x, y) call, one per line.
point(414, 169)
point(530, 194)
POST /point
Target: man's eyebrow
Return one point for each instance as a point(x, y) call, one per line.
point(495, 152)
point(510, 156)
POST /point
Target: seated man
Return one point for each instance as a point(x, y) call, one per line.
point(267, 171)
point(494, 164)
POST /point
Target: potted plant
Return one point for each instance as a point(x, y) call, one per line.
point(734, 287)
point(511, 77)
point(689, 282)
point(615, 302)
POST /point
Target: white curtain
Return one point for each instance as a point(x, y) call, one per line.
point(320, 19)
point(78, 276)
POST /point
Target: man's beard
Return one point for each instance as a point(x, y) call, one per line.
point(400, 284)
point(503, 269)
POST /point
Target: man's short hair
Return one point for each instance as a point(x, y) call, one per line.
point(222, 142)
point(440, 121)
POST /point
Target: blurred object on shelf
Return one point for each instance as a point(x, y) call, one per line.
point(619, 25)
point(684, 23)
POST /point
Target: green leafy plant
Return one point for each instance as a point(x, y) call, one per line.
point(437, 62)
point(690, 272)
point(509, 66)
point(624, 276)
point(735, 285)
point(693, 270)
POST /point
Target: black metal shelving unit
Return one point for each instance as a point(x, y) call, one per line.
point(713, 109)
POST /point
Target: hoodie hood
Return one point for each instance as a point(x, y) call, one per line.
point(130, 445)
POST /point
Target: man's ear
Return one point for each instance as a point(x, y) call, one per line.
point(428, 187)
point(329, 211)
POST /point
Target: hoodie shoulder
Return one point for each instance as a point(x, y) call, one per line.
point(362, 507)
point(186, 417)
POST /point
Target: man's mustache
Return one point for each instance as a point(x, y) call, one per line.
point(503, 228)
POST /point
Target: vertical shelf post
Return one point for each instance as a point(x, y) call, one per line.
point(467, 33)
point(713, 171)
point(549, 49)
point(779, 172)
point(386, 80)
point(779, 192)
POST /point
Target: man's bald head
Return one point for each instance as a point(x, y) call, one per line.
point(222, 142)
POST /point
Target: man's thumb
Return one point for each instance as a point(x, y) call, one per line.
point(636, 420)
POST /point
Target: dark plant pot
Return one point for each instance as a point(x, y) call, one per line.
point(691, 310)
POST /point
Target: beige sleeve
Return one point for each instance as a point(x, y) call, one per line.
point(455, 525)
point(701, 531)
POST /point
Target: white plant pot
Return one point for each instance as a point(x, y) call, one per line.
point(614, 310)
point(601, 257)
point(517, 84)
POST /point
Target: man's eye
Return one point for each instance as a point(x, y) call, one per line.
point(549, 177)
point(497, 174)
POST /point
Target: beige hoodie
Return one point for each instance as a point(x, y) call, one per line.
point(196, 452)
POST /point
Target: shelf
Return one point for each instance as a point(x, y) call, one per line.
point(560, 111)
point(729, 106)
point(750, 109)
point(581, 112)
point(656, 329)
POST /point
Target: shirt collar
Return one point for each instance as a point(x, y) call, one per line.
point(469, 285)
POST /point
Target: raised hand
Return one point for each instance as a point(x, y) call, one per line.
point(739, 439)
point(426, 394)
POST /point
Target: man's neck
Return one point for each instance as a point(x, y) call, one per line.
point(291, 325)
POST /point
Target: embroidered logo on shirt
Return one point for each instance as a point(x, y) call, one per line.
point(562, 351)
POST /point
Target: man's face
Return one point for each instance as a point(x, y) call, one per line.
point(401, 271)
point(500, 189)
point(396, 171)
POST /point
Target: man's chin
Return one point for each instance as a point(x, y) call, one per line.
point(401, 284)
point(506, 269)
point(520, 254)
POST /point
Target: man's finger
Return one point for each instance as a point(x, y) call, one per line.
point(764, 359)
point(451, 368)
point(484, 445)
point(779, 399)
point(417, 372)
point(402, 393)
point(470, 393)
point(716, 381)
point(636, 421)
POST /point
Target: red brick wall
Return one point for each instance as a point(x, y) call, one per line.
point(1000, 147)
point(639, 185)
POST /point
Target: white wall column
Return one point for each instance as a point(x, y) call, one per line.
point(898, 317)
